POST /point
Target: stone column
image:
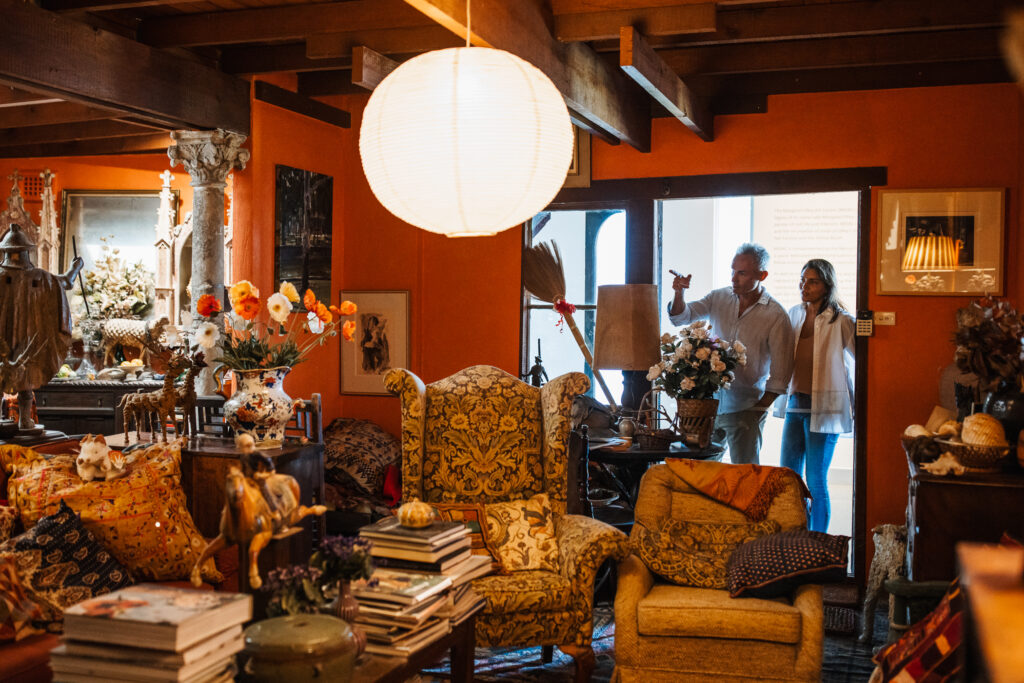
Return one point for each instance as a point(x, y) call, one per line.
point(208, 156)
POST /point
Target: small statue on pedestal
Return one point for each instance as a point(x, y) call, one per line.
point(35, 323)
point(537, 374)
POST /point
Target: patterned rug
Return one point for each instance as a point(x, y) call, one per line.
point(845, 661)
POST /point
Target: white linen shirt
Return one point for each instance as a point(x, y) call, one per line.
point(832, 371)
point(763, 328)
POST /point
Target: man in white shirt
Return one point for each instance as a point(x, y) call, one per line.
point(744, 312)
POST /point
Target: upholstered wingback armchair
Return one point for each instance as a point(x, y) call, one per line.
point(667, 632)
point(483, 436)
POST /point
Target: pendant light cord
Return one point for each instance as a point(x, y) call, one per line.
point(469, 22)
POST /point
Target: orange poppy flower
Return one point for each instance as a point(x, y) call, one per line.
point(207, 305)
point(322, 312)
point(348, 330)
point(309, 300)
point(248, 307)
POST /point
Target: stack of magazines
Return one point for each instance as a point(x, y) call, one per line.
point(401, 612)
point(152, 633)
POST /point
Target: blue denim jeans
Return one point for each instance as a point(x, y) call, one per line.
point(809, 454)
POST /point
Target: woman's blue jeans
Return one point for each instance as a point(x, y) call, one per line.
point(802, 448)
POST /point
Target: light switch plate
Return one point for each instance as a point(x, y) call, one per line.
point(885, 317)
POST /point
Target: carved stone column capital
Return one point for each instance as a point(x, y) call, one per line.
point(208, 155)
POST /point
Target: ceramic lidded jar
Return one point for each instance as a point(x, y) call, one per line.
point(259, 407)
point(300, 648)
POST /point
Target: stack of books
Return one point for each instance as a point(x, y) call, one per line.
point(400, 612)
point(441, 548)
point(152, 633)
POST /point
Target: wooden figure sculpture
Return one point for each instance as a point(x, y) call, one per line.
point(256, 509)
point(35, 322)
point(158, 405)
point(185, 395)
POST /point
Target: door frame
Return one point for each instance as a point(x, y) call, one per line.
point(639, 197)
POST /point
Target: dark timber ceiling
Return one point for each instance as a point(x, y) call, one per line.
point(113, 76)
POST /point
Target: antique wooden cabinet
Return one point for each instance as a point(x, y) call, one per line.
point(85, 406)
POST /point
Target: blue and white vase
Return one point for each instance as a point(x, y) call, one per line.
point(259, 407)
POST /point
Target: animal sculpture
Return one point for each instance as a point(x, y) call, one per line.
point(143, 335)
point(888, 563)
point(96, 461)
point(185, 395)
point(159, 405)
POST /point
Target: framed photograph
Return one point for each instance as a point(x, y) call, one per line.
point(126, 218)
point(302, 229)
point(381, 340)
point(940, 242)
point(579, 168)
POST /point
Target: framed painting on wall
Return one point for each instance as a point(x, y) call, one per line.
point(940, 242)
point(302, 230)
point(381, 340)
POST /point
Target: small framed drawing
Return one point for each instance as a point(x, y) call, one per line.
point(940, 242)
point(381, 340)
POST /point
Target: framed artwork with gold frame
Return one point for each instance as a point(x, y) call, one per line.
point(941, 242)
point(381, 340)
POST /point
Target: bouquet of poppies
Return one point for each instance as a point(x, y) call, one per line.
point(695, 363)
point(279, 333)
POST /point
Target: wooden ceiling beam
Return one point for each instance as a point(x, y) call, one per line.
point(263, 59)
point(595, 90)
point(391, 41)
point(286, 22)
point(56, 112)
point(65, 132)
point(102, 5)
point(13, 97)
point(369, 68)
point(46, 52)
point(913, 48)
point(651, 21)
point(652, 74)
point(300, 104)
point(327, 83)
point(149, 144)
point(559, 7)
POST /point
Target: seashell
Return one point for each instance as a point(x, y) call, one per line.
point(946, 463)
point(949, 428)
point(981, 429)
point(914, 431)
point(415, 514)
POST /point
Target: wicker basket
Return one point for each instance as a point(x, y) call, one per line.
point(977, 458)
point(657, 440)
point(695, 419)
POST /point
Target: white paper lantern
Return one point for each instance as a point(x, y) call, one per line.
point(465, 141)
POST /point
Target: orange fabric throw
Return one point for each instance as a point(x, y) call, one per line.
point(747, 488)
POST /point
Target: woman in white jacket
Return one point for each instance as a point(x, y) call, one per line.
point(819, 404)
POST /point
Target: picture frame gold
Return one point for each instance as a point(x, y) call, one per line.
point(381, 340)
point(579, 168)
point(941, 242)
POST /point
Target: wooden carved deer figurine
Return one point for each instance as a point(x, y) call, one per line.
point(185, 395)
point(158, 405)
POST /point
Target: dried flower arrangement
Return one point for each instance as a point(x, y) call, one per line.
point(302, 589)
point(989, 343)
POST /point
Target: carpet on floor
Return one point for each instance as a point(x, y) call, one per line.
point(845, 659)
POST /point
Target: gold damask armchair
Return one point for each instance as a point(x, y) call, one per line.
point(483, 436)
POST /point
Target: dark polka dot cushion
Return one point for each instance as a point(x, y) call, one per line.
point(774, 565)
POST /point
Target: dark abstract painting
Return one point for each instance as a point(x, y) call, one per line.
point(302, 243)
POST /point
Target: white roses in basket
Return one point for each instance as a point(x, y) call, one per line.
point(695, 363)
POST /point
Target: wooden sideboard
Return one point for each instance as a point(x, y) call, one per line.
point(85, 406)
point(945, 510)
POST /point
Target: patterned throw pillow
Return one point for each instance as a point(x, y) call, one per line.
point(930, 649)
point(775, 565)
point(357, 453)
point(61, 563)
point(474, 517)
point(18, 610)
point(694, 553)
point(8, 518)
point(523, 533)
point(141, 517)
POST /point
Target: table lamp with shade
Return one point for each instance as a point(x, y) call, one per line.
point(627, 336)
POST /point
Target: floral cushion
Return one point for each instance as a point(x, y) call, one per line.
point(141, 517)
point(8, 519)
point(18, 609)
point(523, 534)
point(62, 564)
point(694, 553)
point(357, 454)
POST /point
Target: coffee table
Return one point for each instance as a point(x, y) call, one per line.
point(461, 641)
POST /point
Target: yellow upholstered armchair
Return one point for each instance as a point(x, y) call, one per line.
point(483, 436)
point(667, 632)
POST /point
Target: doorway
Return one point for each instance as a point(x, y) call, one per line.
point(699, 236)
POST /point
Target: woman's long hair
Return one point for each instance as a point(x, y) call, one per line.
point(828, 277)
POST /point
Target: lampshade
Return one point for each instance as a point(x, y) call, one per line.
point(465, 141)
point(929, 252)
point(628, 327)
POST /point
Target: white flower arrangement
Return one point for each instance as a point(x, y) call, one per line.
point(115, 289)
point(695, 363)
